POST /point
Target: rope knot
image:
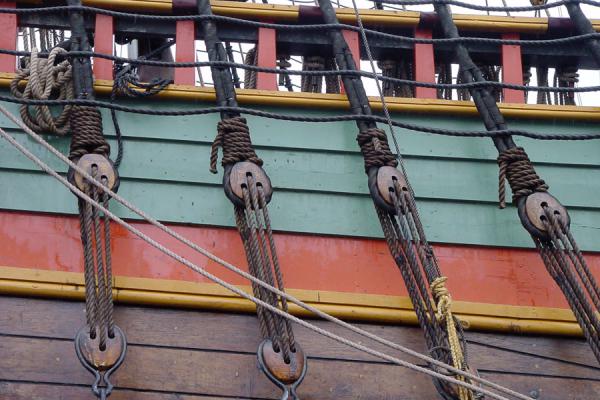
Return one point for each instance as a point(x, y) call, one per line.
point(442, 295)
point(86, 128)
point(375, 149)
point(516, 168)
point(233, 136)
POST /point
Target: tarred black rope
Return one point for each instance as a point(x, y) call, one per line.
point(375, 149)
point(86, 128)
point(233, 136)
point(516, 168)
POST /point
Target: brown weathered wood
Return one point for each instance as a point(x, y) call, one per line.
point(231, 374)
point(239, 333)
point(28, 391)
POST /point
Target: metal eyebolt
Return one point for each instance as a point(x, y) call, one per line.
point(241, 176)
point(101, 363)
point(95, 165)
point(286, 375)
point(532, 211)
point(382, 183)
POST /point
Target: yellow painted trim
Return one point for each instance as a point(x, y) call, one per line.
point(278, 13)
point(350, 306)
point(329, 101)
point(499, 23)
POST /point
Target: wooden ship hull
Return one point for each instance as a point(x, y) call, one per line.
point(189, 338)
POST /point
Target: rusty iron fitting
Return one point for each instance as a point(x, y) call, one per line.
point(240, 176)
point(287, 375)
point(382, 183)
point(532, 211)
point(99, 165)
point(101, 363)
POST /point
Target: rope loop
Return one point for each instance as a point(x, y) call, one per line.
point(233, 136)
point(375, 149)
point(444, 314)
point(517, 169)
point(86, 128)
point(45, 80)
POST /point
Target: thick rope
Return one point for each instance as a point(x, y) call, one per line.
point(375, 149)
point(233, 136)
point(86, 127)
point(250, 76)
point(444, 313)
point(44, 81)
point(516, 168)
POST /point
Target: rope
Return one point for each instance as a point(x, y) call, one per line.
point(303, 118)
point(396, 69)
point(516, 168)
point(375, 149)
point(235, 269)
point(86, 126)
point(233, 136)
point(249, 75)
point(45, 80)
point(444, 313)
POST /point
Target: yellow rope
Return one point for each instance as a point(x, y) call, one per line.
point(444, 303)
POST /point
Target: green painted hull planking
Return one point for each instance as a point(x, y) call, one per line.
point(317, 173)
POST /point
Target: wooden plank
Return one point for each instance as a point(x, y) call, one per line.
point(336, 214)
point(178, 329)
point(185, 52)
point(340, 137)
point(267, 58)
point(234, 374)
point(512, 69)
point(39, 391)
point(424, 65)
point(353, 42)
point(442, 179)
point(103, 43)
point(8, 39)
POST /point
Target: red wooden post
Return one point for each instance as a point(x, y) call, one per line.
point(103, 43)
point(266, 57)
point(424, 65)
point(185, 37)
point(512, 69)
point(8, 38)
point(352, 39)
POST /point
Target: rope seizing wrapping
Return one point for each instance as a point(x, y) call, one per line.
point(86, 127)
point(233, 136)
point(376, 149)
point(516, 168)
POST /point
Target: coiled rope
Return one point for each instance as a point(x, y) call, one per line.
point(44, 79)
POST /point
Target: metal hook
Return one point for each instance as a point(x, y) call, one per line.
point(289, 389)
point(101, 363)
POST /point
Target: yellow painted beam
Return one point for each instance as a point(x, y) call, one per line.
point(348, 306)
point(253, 97)
point(283, 13)
point(329, 101)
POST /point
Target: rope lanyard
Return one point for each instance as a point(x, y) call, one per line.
point(249, 188)
point(402, 227)
point(544, 217)
point(100, 345)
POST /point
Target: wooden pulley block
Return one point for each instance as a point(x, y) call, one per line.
point(532, 212)
point(239, 179)
point(104, 167)
point(386, 178)
point(286, 373)
point(538, 2)
point(101, 360)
